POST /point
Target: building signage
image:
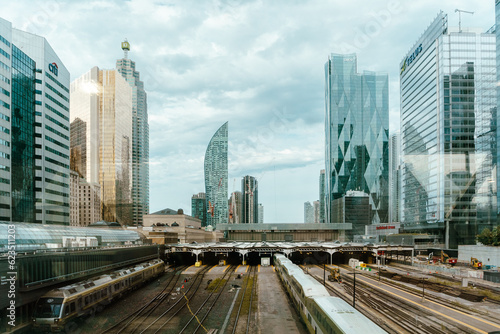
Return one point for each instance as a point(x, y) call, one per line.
point(410, 58)
point(390, 227)
point(54, 69)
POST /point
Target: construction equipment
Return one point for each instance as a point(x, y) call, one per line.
point(445, 258)
point(475, 263)
point(334, 275)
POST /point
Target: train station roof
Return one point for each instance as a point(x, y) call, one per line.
point(27, 236)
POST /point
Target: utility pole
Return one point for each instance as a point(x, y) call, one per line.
point(460, 17)
point(354, 288)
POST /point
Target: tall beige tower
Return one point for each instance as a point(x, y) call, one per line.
point(101, 138)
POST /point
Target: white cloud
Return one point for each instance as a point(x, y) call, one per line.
point(257, 64)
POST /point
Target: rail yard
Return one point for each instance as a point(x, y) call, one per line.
point(255, 299)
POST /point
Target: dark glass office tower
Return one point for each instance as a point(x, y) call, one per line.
point(23, 137)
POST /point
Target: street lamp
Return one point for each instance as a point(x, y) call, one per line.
point(423, 288)
point(354, 288)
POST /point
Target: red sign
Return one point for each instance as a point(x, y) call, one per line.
point(391, 227)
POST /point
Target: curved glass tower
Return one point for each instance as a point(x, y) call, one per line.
point(216, 178)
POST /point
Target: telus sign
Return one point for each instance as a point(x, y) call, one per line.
point(410, 58)
point(54, 69)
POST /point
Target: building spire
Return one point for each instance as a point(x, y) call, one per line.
point(125, 48)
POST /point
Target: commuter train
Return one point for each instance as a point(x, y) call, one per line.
point(322, 313)
point(54, 310)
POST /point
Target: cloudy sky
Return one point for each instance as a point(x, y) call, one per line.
point(257, 64)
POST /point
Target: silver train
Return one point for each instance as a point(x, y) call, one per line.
point(55, 309)
point(322, 313)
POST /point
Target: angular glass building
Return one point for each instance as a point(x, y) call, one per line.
point(140, 137)
point(357, 134)
point(216, 178)
point(448, 134)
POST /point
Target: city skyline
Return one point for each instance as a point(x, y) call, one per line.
point(207, 75)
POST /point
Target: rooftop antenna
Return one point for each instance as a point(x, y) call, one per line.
point(460, 17)
point(125, 48)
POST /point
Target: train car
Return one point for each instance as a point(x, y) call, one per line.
point(322, 313)
point(59, 306)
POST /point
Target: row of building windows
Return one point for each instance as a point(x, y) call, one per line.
point(4, 104)
point(57, 92)
point(5, 181)
point(55, 121)
point(58, 143)
point(4, 155)
point(5, 79)
point(56, 102)
point(6, 42)
point(55, 192)
point(4, 66)
point(5, 92)
point(61, 184)
point(49, 201)
point(56, 132)
point(4, 117)
point(57, 82)
point(5, 168)
point(48, 106)
point(4, 193)
point(55, 172)
point(4, 130)
point(2, 52)
point(51, 150)
point(51, 212)
point(55, 162)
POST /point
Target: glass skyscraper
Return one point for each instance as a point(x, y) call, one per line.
point(34, 130)
point(322, 180)
point(448, 133)
point(140, 137)
point(216, 178)
point(357, 134)
point(101, 142)
point(394, 178)
point(250, 200)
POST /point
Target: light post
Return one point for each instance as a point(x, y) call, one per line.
point(423, 288)
point(324, 274)
point(354, 288)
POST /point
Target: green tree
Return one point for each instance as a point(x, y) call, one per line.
point(485, 237)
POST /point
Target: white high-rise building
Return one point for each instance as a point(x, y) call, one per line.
point(51, 155)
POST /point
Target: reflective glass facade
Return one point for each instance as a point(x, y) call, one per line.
point(51, 129)
point(448, 134)
point(140, 140)
point(23, 137)
point(216, 178)
point(34, 236)
point(101, 145)
point(357, 134)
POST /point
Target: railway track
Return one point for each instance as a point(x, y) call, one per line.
point(241, 322)
point(158, 325)
point(195, 323)
point(126, 324)
point(396, 315)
